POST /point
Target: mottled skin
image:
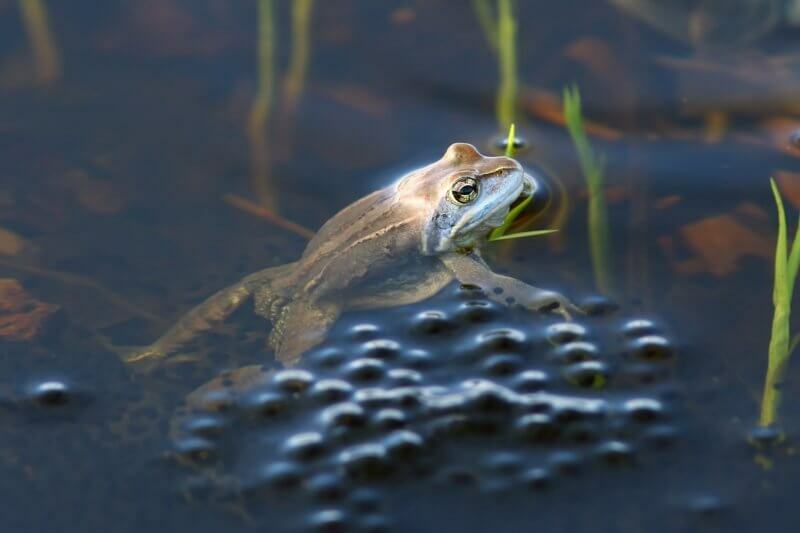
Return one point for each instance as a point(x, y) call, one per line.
point(396, 246)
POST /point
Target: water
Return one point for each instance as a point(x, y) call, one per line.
point(113, 208)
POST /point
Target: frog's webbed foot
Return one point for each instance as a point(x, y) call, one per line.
point(301, 326)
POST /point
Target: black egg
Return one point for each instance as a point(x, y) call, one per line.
point(587, 375)
point(331, 390)
point(330, 520)
point(282, 475)
point(330, 357)
point(576, 352)
point(565, 332)
point(505, 463)
point(51, 393)
point(365, 369)
point(195, 449)
point(566, 462)
point(403, 444)
point(204, 425)
point(643, 409)
point(615, 452)
point(363, 332)
point(417, 359)
point(530, 381)
point(536, 478)
point(652, 348)
point(390, 418)
point(405, 376)
point(347, 414)
point(264, 403)
point(327, 486)
point(502, 365)
point(364, 461)
point(639, 327)
point(537, 428)
point(476, 311)
point(380, 349)
point(598, 306)
point(305, 446)
point(293, 380)
point(432, 323)
point(501, 340)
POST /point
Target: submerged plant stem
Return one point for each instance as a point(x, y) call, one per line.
point(507, 59)
point(483, 11)
point(45, 52)
point(260, 211)
point(262, 105)
point(301, 47)
point(592, 167)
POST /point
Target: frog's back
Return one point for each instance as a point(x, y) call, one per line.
point(352, 223)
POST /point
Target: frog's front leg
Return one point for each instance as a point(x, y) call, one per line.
point(471, 269)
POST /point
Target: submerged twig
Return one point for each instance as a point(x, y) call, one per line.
point(45, 51)
point(260, 211)
point(74, 279)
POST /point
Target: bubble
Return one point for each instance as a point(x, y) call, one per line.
point(530, 381)
point(364, 461)
point(405, 376)
point(305, 446)
point(537, 428)
point(327, 486)
point(652, 348)
point(366, 369)
point(643, 409)
point(615, 452)
point(344, 415)
point(639, 327)
point(403, 444)
point(331, 390)
point(565, 332)
point(381, 349)
point(329, 520)
point(363, 332)
point(293, 380)
point(195, 449)
point(587, 375)
point(390, 418)
point(501, 339)
point(502, 365)
point(576, 352)
point(51, 393)
point(432, 323)
point(282, 475)
point(536, 478)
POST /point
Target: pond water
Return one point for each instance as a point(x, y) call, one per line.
point(140, 173)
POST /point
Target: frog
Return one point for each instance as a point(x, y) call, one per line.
point(398, 245)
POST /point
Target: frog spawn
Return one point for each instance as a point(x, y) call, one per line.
point(456, 391)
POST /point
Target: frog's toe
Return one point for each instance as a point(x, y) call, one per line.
point(553, 302)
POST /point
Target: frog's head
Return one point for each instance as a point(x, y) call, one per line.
point(462, 197)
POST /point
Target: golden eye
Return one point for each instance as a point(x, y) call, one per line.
point(465, 190)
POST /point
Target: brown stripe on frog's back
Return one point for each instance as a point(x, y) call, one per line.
point(356, 217)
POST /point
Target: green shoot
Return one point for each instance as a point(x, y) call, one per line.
point(592, 167)
point(301, 45)
point(522, 234)
point(483, 10)
point(262, 104)
point(499, 233)
point(46, 56)
point(779, 348)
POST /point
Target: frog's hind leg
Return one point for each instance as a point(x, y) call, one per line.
point(211, 312)
point(301, 325)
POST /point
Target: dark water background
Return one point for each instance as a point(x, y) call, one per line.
point(117, 171)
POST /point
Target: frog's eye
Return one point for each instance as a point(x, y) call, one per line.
point(464, 190)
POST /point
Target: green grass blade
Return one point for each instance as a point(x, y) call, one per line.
point(523, 234)
point(512, 137)
point(486, 19)
point(507, 59)
point(779, 339)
